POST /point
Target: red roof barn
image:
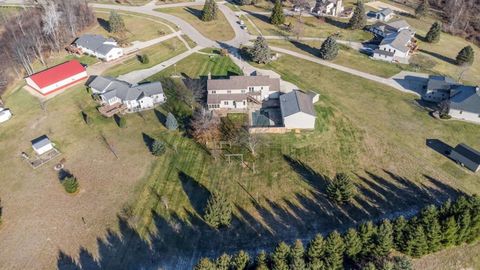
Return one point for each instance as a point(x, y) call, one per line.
point(57, 77)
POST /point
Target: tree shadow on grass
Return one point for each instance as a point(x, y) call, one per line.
point(197, 193)
point(104, 24)
point(339, 24)
point(306, 48)
point(178, 242)
point(148, 140)
point(160, 117)
point(439, 56)
point(195, 12)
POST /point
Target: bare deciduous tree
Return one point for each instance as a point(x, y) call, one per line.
point(205, 127)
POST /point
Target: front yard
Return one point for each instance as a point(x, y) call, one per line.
point(218, 29)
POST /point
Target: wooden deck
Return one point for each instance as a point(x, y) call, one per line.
point(111, 110)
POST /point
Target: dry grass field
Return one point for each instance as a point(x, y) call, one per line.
point(218, 29)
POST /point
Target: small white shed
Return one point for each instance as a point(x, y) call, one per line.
point(5, 115)
point(41, 145)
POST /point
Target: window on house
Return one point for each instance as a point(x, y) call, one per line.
point(250, 89)
point(213, 92)
point(225, 103)
point(229, 91)
point(243, 91)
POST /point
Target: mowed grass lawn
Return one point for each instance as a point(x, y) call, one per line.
point(312, 27)
point(156, 54)
point(376, 133)
point(346, 57)
point(218, 29)
point(139, 28)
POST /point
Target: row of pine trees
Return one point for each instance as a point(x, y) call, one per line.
point(370, 245)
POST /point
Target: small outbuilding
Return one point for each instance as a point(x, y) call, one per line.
point(466, 156)
point(5, 115)
point(42, 144)
point(384, 15)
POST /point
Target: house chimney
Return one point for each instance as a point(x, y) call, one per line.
point(209, 75)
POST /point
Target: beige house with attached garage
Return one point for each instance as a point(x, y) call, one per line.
point(328, 7)
point(235, 92)
point(465, 104)
point(139, 97)
point(297, 110)
point(466, 156)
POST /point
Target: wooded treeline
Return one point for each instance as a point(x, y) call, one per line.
point(369, 246)
point(460, 17)
point(36, 32)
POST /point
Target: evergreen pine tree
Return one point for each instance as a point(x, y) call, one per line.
point(210, 11)
point(433, 35)
point(399, 227)
point(359, 17)
point(433, 231)
point(297, 256)
point(158, 148)
point(116, 23)
point(464, 227)
point(466, 56)
point(445, 210)
point(328, 51)
point(223, 262)
point(279, 257)
point(218, 211)
point(315, 251)
point(240, 261)
point(384, 239)
point(260, 52)
point(70, 184)
point(334, 248)
point(422, 9)
point(121, 122)
point(402, 263)
point(353, 243)
point(367, 233)
point(277, 17)
point(449, 231)
point(417, 241)
point(475, 227)
point(261, 261)
point(205, 264)
point(369, 266)
point(171, 123)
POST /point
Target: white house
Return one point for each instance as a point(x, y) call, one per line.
point(439, 88)
point(297, 110)
point(136, 97)
point(100, 47)
point(381, 29)
point(384, 15)
point(395, 47)
point(5, 115)
point(41, 145)
point(236, 91)
point(328, 7)
point(57, 78)
point(465, 104)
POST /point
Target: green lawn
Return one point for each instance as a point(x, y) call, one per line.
point(373, 131)
point(138, 27)
point(156, 54)
point(346, 57)
point(218, 29)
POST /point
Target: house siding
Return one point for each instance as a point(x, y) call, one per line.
point(464, 115)
point(299, 120)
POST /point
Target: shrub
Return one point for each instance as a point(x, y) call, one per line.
point(218, 211)
point(158, 148)
point(143, 58)
point(70, 184)
point(465, 56)
point(329, 49)
point(116, 23)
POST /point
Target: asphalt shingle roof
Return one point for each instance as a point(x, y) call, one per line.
point(243, 82)
point(40, 142)
point(466, 99)
point(398, 40)
point(95, 43)
point(110, 88)
point(296, 101)
point(468, 152)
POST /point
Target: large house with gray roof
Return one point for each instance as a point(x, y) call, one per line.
point(236, 91)
point(261, 98)
point(99, 46)
point(139, 97)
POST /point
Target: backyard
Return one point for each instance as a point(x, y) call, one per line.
point(218, 29)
